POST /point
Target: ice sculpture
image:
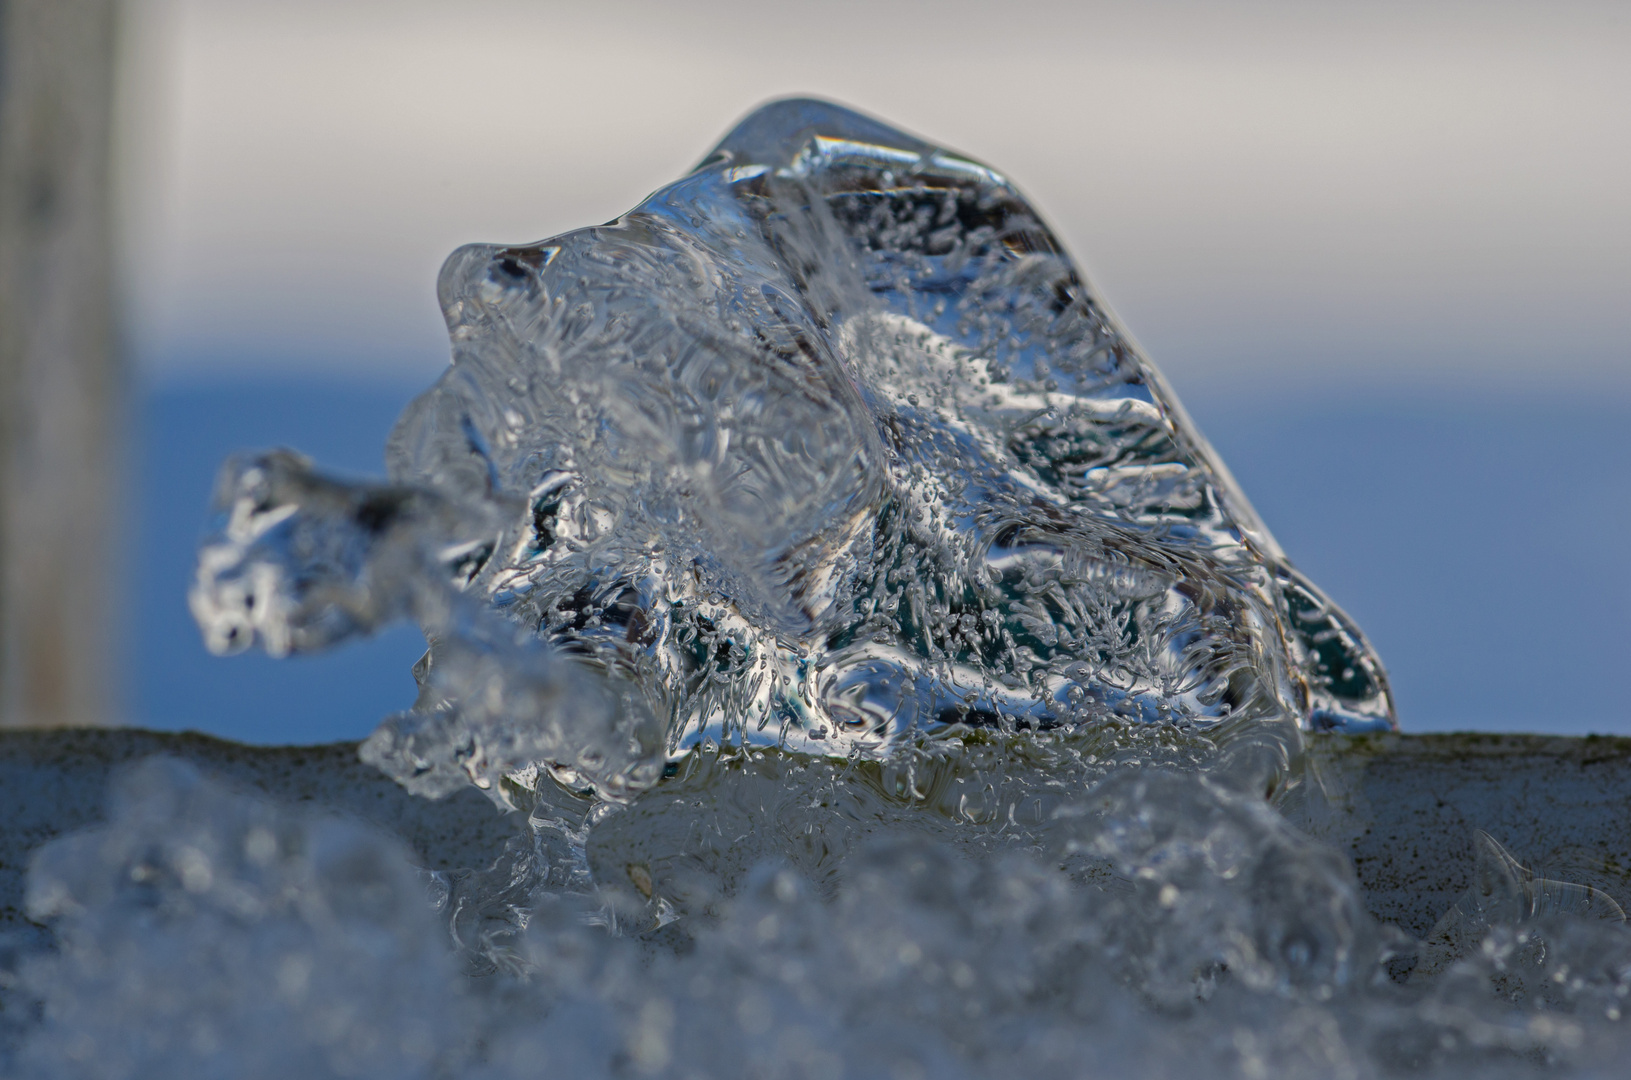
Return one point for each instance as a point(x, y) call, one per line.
point(825, 446)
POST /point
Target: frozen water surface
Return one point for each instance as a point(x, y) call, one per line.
point(893, 681)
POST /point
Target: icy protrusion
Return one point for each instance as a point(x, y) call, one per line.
point(303, 561)
point(825, 446)
point(489, 709)
point(830, 441)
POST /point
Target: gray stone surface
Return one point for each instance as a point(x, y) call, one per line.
point(1405, 807)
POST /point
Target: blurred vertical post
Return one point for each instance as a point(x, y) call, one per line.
point(59, 379)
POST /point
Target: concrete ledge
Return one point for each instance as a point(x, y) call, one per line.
point(1404, 806)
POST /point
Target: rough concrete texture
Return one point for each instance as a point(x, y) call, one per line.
point(1405, 807)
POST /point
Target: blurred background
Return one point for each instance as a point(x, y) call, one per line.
point(1381, 250)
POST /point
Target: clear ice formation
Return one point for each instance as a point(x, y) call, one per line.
point(826, 446)
point(886, 678)
point(1504, 893)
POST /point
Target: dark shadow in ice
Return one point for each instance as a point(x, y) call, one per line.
point(826, 446)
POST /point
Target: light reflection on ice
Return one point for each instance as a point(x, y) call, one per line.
point(833, 453)
point(894, 683)
point(791, 917)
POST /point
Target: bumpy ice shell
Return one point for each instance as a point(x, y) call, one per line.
point(827, 445)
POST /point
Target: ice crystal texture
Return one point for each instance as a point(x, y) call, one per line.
point(788, 916)
point(205, 933)
point(825, 446)
point(888, 674)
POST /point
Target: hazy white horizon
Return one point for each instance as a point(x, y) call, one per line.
point(1292, 192)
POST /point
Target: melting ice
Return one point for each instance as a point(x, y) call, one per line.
point(827, 447)
point(893, 681)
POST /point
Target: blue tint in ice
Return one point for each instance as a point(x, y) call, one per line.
point(763, 915)
point(826, 446)
point(893, 682)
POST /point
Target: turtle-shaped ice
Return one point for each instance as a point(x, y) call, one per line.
point(826, 445)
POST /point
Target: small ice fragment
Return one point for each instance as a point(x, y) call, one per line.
point(1504, 893)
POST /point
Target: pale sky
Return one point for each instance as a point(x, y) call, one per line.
point(1270, 191)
